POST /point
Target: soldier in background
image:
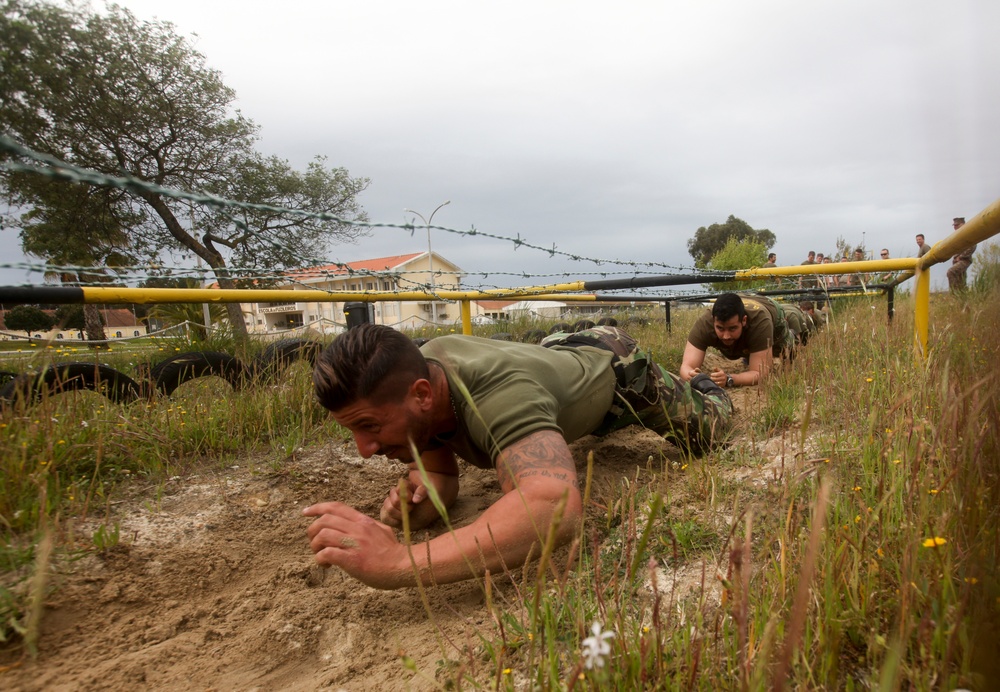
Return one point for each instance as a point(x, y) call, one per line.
point(960, 263)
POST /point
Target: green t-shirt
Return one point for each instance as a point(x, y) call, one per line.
point(758, 334)
point(518, 389)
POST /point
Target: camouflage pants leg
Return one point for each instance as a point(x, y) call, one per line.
point(956, 275)
point(646, 394)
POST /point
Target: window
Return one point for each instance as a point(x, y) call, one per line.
point(59, 335)
point(118, 335)
point(135, 333)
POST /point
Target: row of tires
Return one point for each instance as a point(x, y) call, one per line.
point(163, 377)
point(167, 375)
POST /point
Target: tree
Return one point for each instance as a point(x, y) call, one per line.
point(83, 231)
point(739, 254)
point(28, 318)
point(122, 96)
point(707, 242)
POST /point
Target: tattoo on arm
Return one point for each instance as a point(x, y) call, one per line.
point(543, 454)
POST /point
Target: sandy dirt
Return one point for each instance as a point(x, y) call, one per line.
point(213, 586)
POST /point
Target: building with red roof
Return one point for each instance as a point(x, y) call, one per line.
point(417, 271)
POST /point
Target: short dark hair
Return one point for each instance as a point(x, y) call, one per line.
point(771, 257)
point(371, 362)
point(727, 305)
point(958, 219)
point(920, 235)
point(807, 305)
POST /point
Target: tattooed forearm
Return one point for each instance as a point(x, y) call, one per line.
point(543, 454)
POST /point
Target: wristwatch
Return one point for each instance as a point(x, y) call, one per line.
point(729, 381)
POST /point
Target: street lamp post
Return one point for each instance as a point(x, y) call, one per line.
point(430, 255)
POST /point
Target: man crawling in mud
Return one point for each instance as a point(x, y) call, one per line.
point(504, 405)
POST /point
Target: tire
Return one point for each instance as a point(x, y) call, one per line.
point(580, 325)
point(534, 336)
point(279, 355)
point(6, 376)
point(171, 373)
point(68, 377)
point(502, 336)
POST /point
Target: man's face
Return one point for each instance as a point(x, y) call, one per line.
point(731, 330)
point(386, 428)
point(920, 241)
point(858, 255)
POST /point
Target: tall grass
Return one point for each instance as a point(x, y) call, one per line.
point(868, 560)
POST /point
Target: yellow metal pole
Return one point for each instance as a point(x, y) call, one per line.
point(921, 312)
point(466, 308)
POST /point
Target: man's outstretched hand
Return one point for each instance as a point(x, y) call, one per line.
point(366, 549)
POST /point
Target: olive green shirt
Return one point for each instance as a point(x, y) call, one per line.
point(504, 391)
point(758, 334)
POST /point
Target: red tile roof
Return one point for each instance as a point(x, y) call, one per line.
point(368, 265)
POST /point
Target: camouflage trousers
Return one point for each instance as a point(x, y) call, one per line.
point(646, 394)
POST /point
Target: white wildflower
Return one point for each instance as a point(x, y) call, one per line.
point(595, 648)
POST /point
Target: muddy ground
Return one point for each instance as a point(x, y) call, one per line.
point(213, 587)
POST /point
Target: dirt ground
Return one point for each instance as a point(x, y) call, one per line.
point(213, 586)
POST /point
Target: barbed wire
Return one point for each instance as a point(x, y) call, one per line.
point(54, 168)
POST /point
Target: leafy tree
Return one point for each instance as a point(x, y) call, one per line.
point(739, 254)
point(123, 96)
point(83, 231)
point(707, 242)
point(28, 318)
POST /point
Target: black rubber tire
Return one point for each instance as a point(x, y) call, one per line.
point(560, 327)
point(6, 376)
point(534, 336)
point(580, 325)
point(68, 377)
point(171, 373)
point(279, 355)
point(607, 322)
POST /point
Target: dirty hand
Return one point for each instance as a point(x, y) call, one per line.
point(366, 549)
point(392, 508)
point(719, 377)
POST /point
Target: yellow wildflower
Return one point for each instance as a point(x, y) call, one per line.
point(934, 542)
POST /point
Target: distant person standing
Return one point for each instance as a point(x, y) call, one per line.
point(859, 256)
point(885, 277)
point(848, 279)
point(808, 281)
point(772, 263)
point(922, 247)
point(960, 262)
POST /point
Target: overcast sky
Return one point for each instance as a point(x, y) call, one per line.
point(615, 130)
